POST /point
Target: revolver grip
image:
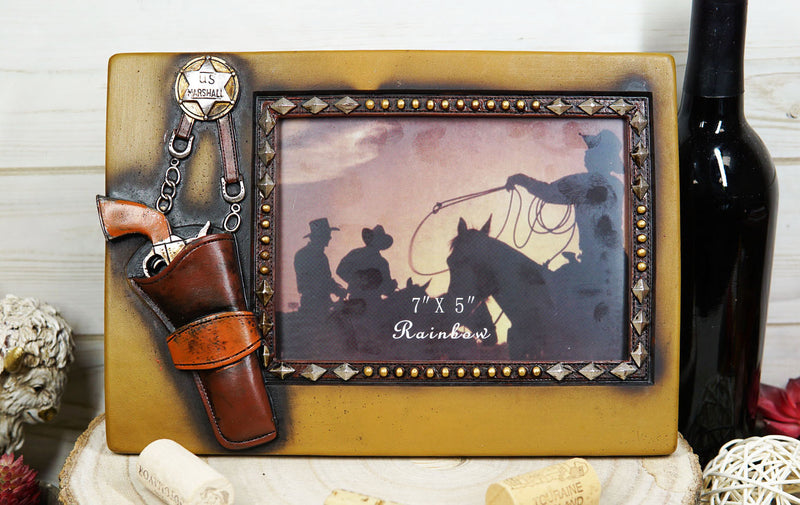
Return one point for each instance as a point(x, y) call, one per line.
point(123, 217)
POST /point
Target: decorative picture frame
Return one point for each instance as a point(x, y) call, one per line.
point(403, 332)
point(435, 243)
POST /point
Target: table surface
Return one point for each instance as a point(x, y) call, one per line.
point(95, 475)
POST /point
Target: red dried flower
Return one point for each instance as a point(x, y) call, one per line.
point(780, 408)
point(18, 484)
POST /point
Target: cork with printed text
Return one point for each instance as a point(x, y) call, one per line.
point(573, 482)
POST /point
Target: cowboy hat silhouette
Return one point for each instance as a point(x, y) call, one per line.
point(320, 228)
point(377, 238)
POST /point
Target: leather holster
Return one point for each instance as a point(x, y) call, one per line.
point(200, 298)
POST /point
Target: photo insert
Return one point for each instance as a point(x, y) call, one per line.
point(423, 239)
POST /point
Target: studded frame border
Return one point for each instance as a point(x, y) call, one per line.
point(635, 109)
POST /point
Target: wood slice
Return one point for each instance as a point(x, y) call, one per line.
point(95, 475)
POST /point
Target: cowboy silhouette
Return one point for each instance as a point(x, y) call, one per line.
point(366, 271)
point(314, 280)
point(597, 196)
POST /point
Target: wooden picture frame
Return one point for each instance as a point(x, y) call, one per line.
point(466, 309)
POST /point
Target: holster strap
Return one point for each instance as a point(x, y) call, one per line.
point(214, 341)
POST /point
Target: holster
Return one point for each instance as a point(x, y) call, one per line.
point(200, 298)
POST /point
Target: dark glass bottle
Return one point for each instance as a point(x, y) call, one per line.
point(729, 195)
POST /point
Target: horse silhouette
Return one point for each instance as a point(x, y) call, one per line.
point(481, 266)
point(554, 315)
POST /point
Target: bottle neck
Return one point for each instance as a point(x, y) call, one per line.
point(714, 67)
point(728, 109)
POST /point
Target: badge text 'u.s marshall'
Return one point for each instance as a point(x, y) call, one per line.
point(206, 88)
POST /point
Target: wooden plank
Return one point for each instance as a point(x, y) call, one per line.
point(785, 287)
point(52, 246)
point(63, 264)
point(53, 128)
point(781, 360)
point(772, 104)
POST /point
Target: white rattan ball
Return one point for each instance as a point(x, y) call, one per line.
point(757, 470)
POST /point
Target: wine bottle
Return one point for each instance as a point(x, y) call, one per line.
point(729, 195)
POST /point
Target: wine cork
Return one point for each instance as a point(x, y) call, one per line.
point(343, 497)
point(573, 482)
point(179, 477)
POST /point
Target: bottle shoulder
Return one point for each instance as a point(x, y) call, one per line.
point(729, 158)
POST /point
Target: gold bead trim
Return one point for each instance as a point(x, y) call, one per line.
point(345, 371)
point(556, 105)
point(639, 154)
point(559, 371)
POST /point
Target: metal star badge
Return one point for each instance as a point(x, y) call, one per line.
point(206, 88)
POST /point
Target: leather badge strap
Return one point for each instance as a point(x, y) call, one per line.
point(227, 144)
point(184, 129)
point(214, 341)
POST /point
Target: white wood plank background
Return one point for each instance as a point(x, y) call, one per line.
point(53, 58)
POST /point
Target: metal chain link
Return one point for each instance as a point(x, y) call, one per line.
point(172, 177)
point(169, 188)
point(233, 220)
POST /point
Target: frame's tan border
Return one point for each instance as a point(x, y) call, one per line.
point(145, 398)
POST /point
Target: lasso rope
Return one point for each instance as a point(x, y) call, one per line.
point(534, 219)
